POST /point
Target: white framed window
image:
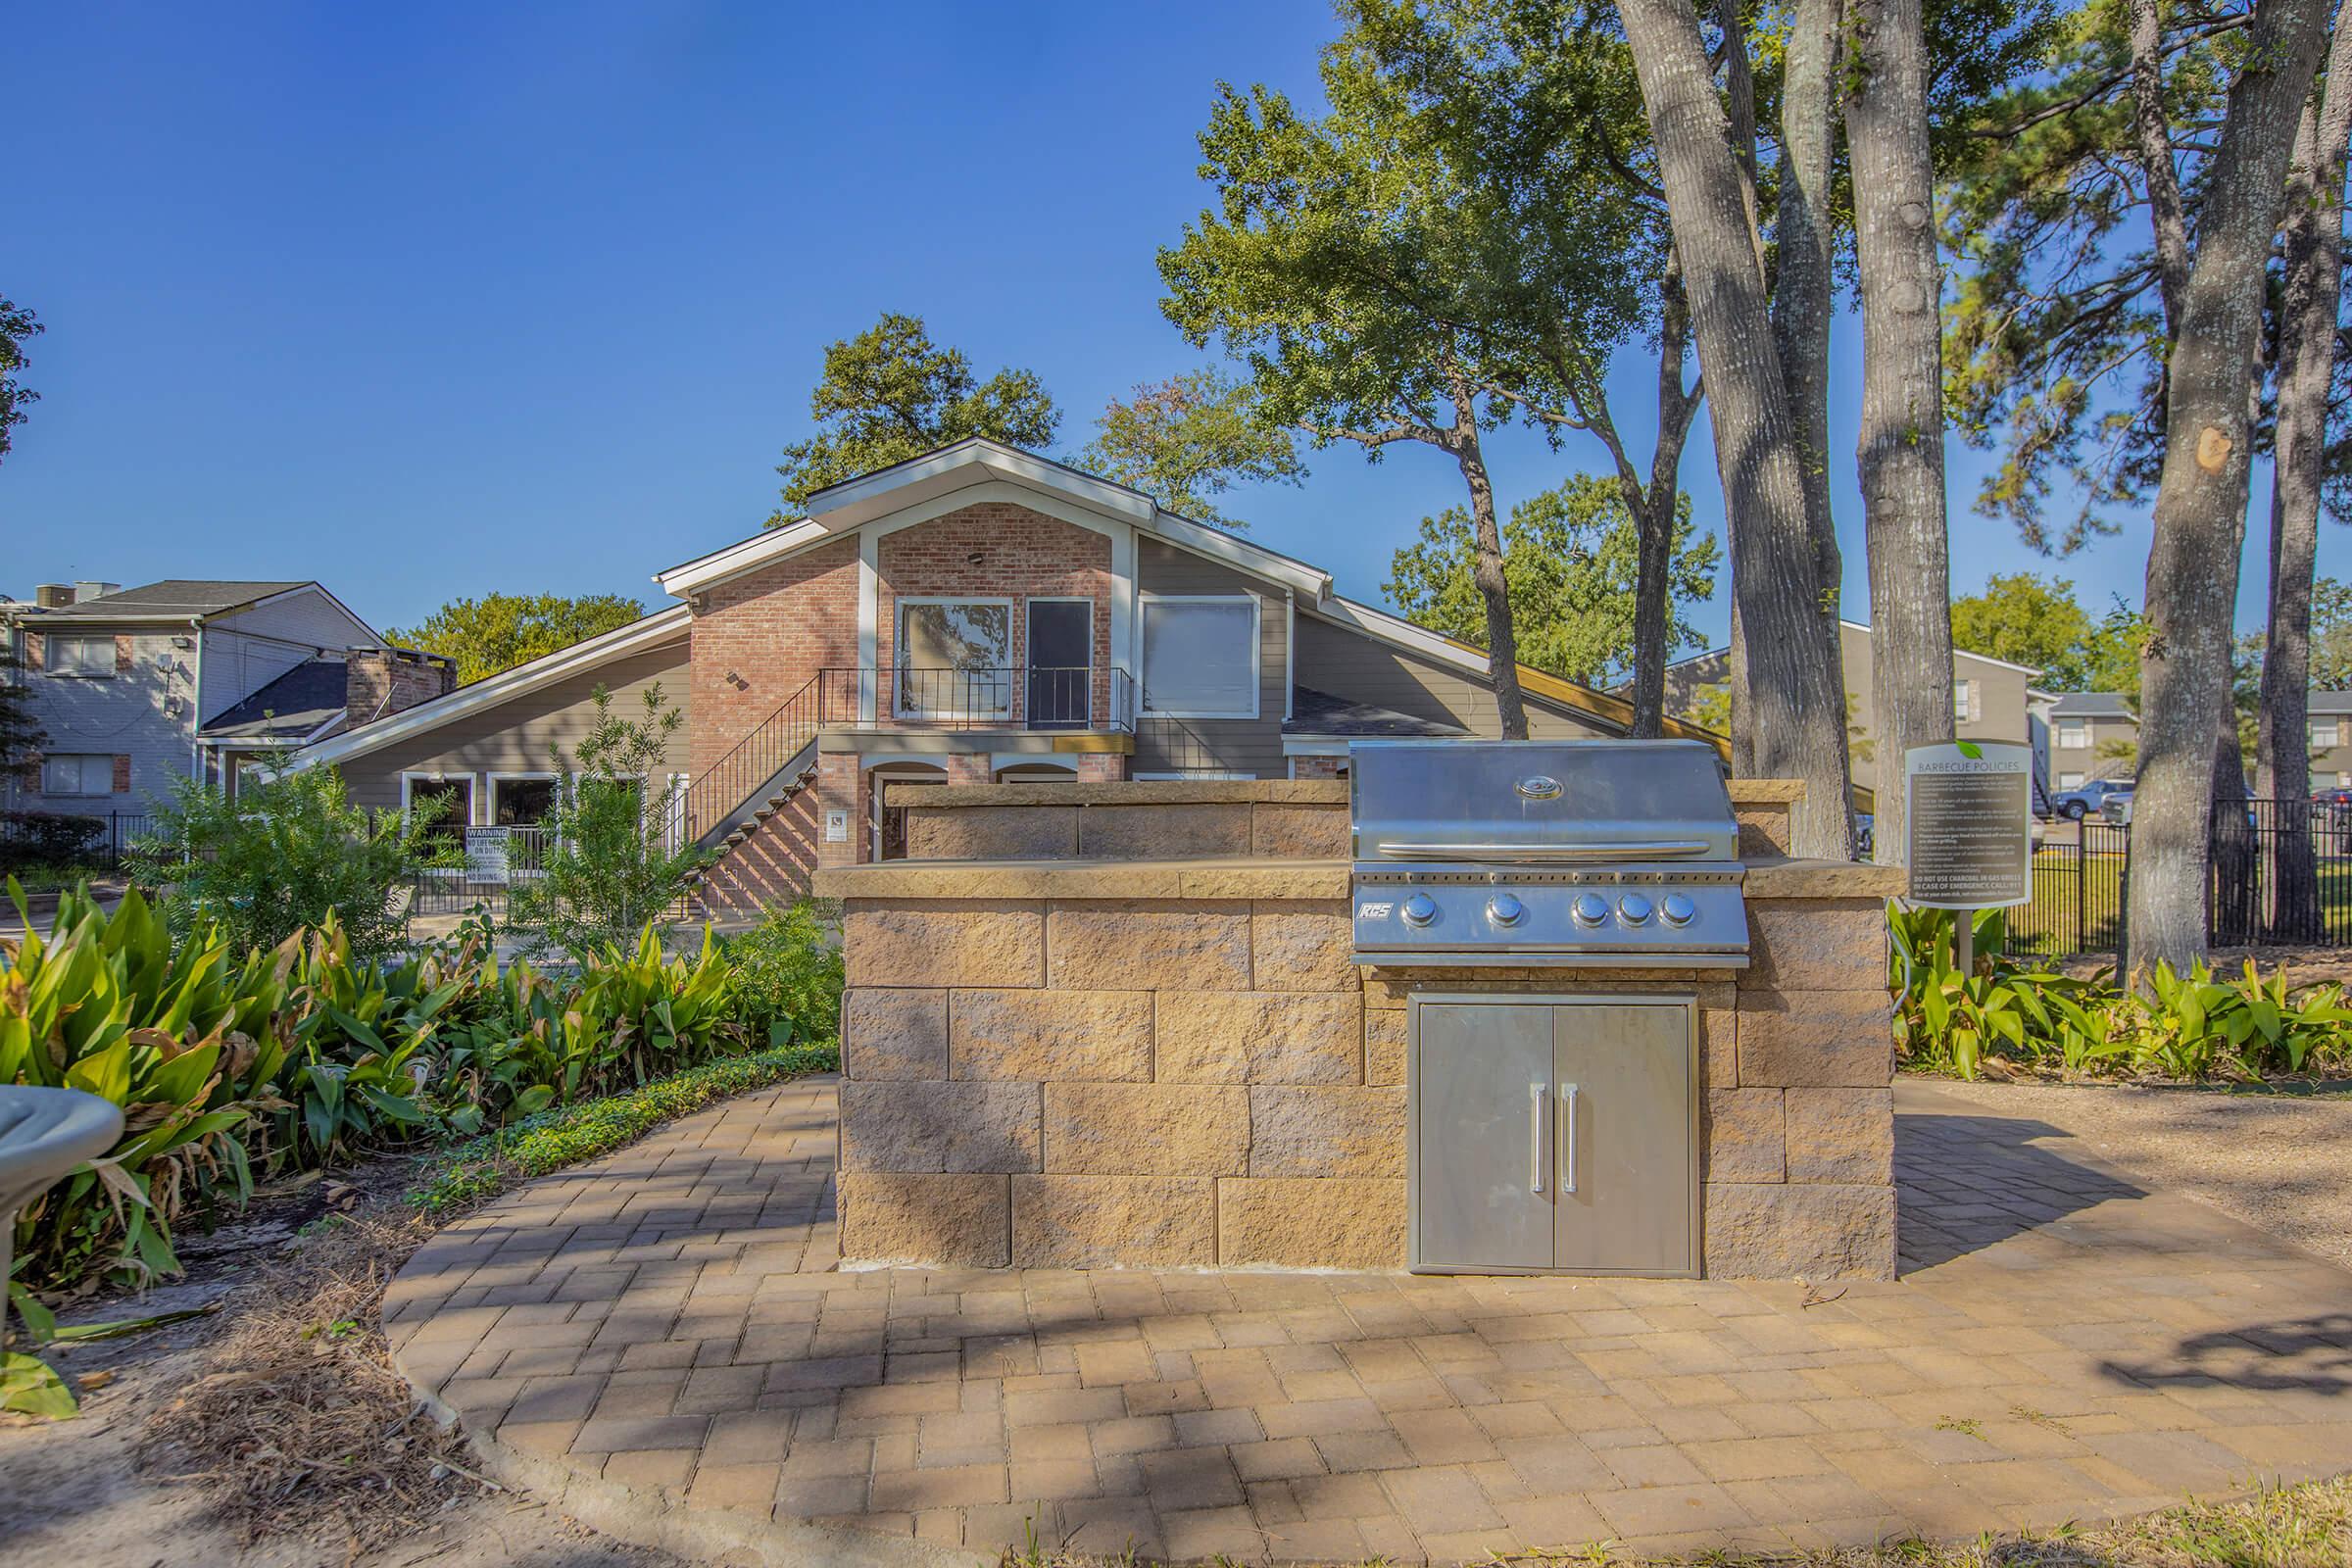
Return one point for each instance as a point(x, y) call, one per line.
point(2074, 734)
point(85, 657)
point(954, 659)
point(78, 772)
point(2070, 781)
point(520, 800)
point(1964, 695)
point(2326, 734)
point(1200, 656)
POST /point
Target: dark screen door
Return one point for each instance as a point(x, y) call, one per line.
point(1060, 651)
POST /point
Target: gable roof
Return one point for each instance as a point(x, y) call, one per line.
point(1316, 712)
point(1611, 712)
point(581, 656)
point(2091, 705)
point(296, 706)
point(173, 599)
point(839, 511)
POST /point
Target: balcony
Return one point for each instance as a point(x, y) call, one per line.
point(1033, 699)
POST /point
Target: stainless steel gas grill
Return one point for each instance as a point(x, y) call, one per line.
point(1546, 853)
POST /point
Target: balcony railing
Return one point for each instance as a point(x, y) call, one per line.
point(1042, 698)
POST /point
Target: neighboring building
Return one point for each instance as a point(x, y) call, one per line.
point(137, 687)
point(973, 614)
point(1988, 695)
point(2332, 740)
point(2082, 736)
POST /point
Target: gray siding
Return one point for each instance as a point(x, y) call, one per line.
point(246, 651)
point(1250, 747)
point(1350, 664)
point(516, 736)
point(126, 714)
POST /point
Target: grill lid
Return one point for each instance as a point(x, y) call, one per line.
point(1547, 803)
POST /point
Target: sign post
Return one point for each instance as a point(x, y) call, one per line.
point(1969, 806)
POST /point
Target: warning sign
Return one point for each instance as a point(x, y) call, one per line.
point(1968, 807)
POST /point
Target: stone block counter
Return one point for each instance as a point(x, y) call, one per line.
point(1136, 1039)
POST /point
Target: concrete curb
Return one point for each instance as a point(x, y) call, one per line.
point(650, 1516)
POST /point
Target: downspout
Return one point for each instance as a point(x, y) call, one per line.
point(196, 705)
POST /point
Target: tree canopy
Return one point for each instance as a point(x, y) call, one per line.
point(18, 325)
point(2026, 618)
point(499, 631)
point(1188, 440)
point(1570, 562)
point(889, 394)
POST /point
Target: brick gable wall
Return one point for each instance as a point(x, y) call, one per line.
point(1019, 555)
point(760, 638)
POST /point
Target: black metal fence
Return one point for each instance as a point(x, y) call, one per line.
point(497, 861)
point(78, 838)
point(2282, 875)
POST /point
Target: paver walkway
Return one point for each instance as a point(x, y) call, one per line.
point(662, 1338)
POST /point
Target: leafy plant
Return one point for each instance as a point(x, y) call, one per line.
point(287, 853)
point(2189, 1026)
point(613, 865)
point(788, 973)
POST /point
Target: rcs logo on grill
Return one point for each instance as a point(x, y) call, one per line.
point(1375, 910)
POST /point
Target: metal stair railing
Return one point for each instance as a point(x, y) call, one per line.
point(732, 780)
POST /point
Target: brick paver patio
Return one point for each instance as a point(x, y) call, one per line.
point(661, 1342)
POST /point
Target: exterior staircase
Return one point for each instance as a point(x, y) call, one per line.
point(739, 793)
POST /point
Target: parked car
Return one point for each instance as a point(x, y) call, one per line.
point(2116, 804)
point(2077, 803)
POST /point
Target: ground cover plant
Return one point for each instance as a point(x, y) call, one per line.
point(234, 1064)
point(2007, 1012)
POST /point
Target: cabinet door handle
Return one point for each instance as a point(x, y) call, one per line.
point(1568, 1138)
point(1534, 1138)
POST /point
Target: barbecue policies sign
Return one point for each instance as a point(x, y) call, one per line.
point(1969, 806)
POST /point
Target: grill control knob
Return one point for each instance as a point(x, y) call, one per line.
point(1678, 909)
point(1589, 909)
point(1505, 910)
point(1420, 910)
point(1634, 908)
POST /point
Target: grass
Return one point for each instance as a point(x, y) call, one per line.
point(2306, 1526)
point(475, 1171)
point(2078, 901)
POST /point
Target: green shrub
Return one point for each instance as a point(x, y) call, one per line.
point(281, 858)
point(48, 839)
point(184, 1040)
point(308, 1056)
point(788, 973)
point(2191, 1026)
point(612, 869)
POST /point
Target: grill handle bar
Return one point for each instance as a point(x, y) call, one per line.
point(1406, 851)
point(1535, 1138)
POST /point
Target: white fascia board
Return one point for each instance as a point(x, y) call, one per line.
point(744, 555)
point(657, 628)
point(1314, 744)
point(321, 589)
point(860, 501)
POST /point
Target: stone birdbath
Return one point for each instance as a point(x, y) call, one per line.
point(44, 1133)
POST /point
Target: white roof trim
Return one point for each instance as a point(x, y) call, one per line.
point(743, 556)
point(1400, 632)
point(848, 507)
point(545, 670)
point(1957, 652)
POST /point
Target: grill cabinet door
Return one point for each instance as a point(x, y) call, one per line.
point(1622, 1096)
point(1483, 1074)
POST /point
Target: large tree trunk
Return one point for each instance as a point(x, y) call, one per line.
point(1901, 444)
point(1654, 507)
point(2307, 318)
point(2201, 499)
point(1788, 719)
point(1803, 296)
point(1486, 569)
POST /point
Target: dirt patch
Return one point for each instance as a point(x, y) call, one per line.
point(2279, 1161)
point(274, 1432)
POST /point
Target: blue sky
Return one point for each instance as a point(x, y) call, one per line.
point(443, 299)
